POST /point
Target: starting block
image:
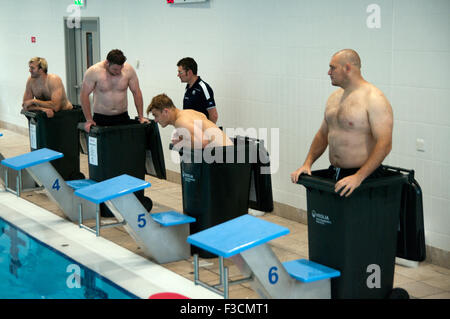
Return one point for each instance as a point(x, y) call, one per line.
point(17, 181)
point(244, 240)
point(37, 164)
point(162, 236)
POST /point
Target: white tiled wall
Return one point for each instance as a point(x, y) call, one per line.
point(267, 62)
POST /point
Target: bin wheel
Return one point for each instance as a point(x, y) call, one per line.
point(398, 293)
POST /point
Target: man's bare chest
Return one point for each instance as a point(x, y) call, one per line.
point(350, 114)
point(106, 83)
point(41, 90)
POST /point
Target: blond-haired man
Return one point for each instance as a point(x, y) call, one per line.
point(43, 91)
point(193, 128)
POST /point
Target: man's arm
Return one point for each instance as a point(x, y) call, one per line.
point(318, 146)
point(213, 116)
point(137, 95)
point(28, 95)
point(57, 92)
point(86, 89)
point(381, 125)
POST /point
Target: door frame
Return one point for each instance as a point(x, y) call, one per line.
point(70, 39)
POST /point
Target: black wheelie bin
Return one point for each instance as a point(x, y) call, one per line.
point(154, 159)
point(58, 133)
point(357, 234)
point(117, 150)
point(411, 231)
point(214, 191)
point(260, 197)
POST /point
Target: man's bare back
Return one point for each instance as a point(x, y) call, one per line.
point(192, 128)
point(203, 132)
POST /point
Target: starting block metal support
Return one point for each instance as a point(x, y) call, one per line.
point(17, 181)
point(162, 236)
point(245, 240)
point(37, 164)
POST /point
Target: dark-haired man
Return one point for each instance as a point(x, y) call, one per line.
point(110, 80)
point(198, 96)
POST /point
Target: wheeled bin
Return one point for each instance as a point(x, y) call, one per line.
point(260, 197)
point(214, 192)
point(154, 158)
point(411, 231)
point(117, 150)
point(356, 235)
point(58, 133)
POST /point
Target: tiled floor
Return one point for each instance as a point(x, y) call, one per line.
point(425, 281)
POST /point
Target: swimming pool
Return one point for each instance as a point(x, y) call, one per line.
point(114, 265)
point(29, 269)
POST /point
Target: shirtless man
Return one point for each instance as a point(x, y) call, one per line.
point(193, 128)
point(44, 92)
point(357, 125)
point(110, 80)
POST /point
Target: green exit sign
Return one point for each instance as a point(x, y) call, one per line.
point(79, 3)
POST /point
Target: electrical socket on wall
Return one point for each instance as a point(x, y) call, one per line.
point(420, 145)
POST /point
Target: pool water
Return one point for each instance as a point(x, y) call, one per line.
point(29, 269)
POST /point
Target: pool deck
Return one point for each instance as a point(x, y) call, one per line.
point(425, 281)
point(132, 272)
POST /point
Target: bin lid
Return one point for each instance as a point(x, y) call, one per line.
point(132, 125)
point(327, 184)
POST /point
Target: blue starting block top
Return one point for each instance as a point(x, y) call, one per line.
point(80, 183)
point(32, 158)
point(171, 218)
point(112, 188)
point(309, 271)
point(236, 235)
point(1, 134)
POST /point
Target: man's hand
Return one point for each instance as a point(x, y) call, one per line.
point(304, 169)
point(49, 112)
point(27, 103)
point(177, 140)
point(88, 124)
point(347, 185)
point(143, 120)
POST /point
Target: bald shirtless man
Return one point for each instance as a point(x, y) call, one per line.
point(44, 92)
point(193, 128)
point(110, 80)
point(357, 126)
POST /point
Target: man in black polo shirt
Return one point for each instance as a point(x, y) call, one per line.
point(198, 96)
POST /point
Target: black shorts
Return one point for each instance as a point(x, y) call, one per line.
point(112, 120)
point(340, 173)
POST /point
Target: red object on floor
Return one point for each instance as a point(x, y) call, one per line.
point(167, 295)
